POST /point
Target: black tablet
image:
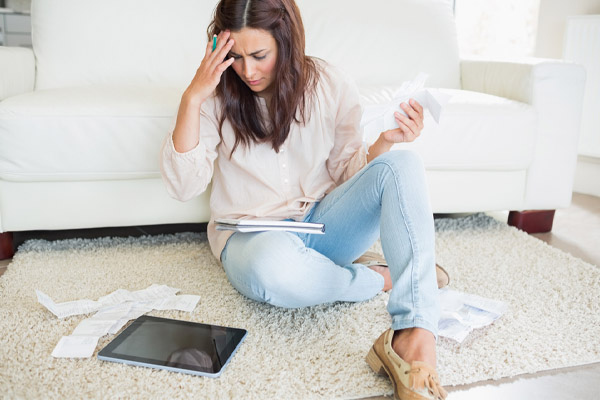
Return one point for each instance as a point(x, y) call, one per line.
point(179, 346)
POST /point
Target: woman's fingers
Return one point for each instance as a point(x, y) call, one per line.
point(224, 44)
point(415, 112)
point(225, 64)
point(224, 51)
point(411, 124)
point(212, 66)
point(415, 104)
point(407, 124)
point(403, 133)
point(209, 46)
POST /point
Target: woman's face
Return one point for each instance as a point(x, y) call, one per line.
point(255, 54)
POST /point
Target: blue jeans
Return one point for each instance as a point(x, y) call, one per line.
point(388, 198)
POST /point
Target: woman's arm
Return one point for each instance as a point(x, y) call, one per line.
point(187, 173)
point(208, 75)
point(188, 154)
point(409, 128)
point(185, 134)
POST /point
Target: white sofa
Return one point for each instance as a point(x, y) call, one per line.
point(83, 113)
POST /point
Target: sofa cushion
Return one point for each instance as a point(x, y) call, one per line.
point(383, 42)
point(477, 131)
point(109, 42)
point(90, 42)
point(115, 133)
point(85, 133)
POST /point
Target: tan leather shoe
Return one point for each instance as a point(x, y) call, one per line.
point(416, 381)
point(371, 258)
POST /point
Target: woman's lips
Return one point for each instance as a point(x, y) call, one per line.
point(254, 83)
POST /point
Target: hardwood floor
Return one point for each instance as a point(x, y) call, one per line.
point(576, 230)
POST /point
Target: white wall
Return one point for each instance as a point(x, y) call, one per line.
point(549, 44)
point(552, 20)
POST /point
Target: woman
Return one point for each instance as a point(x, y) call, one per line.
point(278, 134)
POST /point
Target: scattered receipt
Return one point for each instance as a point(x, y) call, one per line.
point(462, 312)
point(113, 311)
point(380, 117)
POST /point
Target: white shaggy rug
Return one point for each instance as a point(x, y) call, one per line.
point(553, 319)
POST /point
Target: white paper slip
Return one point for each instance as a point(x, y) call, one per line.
point(256, 225)
point(93, 327)
point(378, 118)
point(461, 313)
point(118, 325)
point(152, 292)
point(75, 346)
point(66, 309)
point(119, 296)
point(184, 302)
point(113, 312)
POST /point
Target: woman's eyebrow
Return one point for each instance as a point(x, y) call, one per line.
point(252, 54)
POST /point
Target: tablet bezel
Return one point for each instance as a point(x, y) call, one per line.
point(107, 353)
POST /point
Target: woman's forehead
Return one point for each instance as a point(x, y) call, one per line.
point(250, 40)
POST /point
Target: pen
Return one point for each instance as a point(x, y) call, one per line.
point(214, 42)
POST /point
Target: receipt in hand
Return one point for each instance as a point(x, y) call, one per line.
point(380, 117)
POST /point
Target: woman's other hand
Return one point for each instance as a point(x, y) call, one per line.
point(409, 127)
point(209, 73)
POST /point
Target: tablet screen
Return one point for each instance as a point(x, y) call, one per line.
point(175, 345)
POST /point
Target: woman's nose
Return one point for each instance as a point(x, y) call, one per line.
point(249, 69)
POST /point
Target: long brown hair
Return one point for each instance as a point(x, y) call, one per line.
point(295, 79)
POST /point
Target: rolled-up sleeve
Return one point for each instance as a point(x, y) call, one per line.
point(349, 153)
point(188, 174)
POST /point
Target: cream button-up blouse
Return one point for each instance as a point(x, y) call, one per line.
point(257, 182)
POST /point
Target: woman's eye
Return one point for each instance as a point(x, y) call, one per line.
point(260, 58)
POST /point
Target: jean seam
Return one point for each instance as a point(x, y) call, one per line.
point(409, 229)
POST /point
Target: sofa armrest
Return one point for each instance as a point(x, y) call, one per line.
point(17, 71)
point(555, 90)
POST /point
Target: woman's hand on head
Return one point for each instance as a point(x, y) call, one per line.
point(409, 127)
point(212, 67)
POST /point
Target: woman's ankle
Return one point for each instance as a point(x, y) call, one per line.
point(415, 344)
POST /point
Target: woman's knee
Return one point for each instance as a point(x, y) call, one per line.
point(400, 168)
point(401, 160)
point(266, 270)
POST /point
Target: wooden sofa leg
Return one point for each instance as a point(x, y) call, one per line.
point(6, 245)
point(532, 221)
